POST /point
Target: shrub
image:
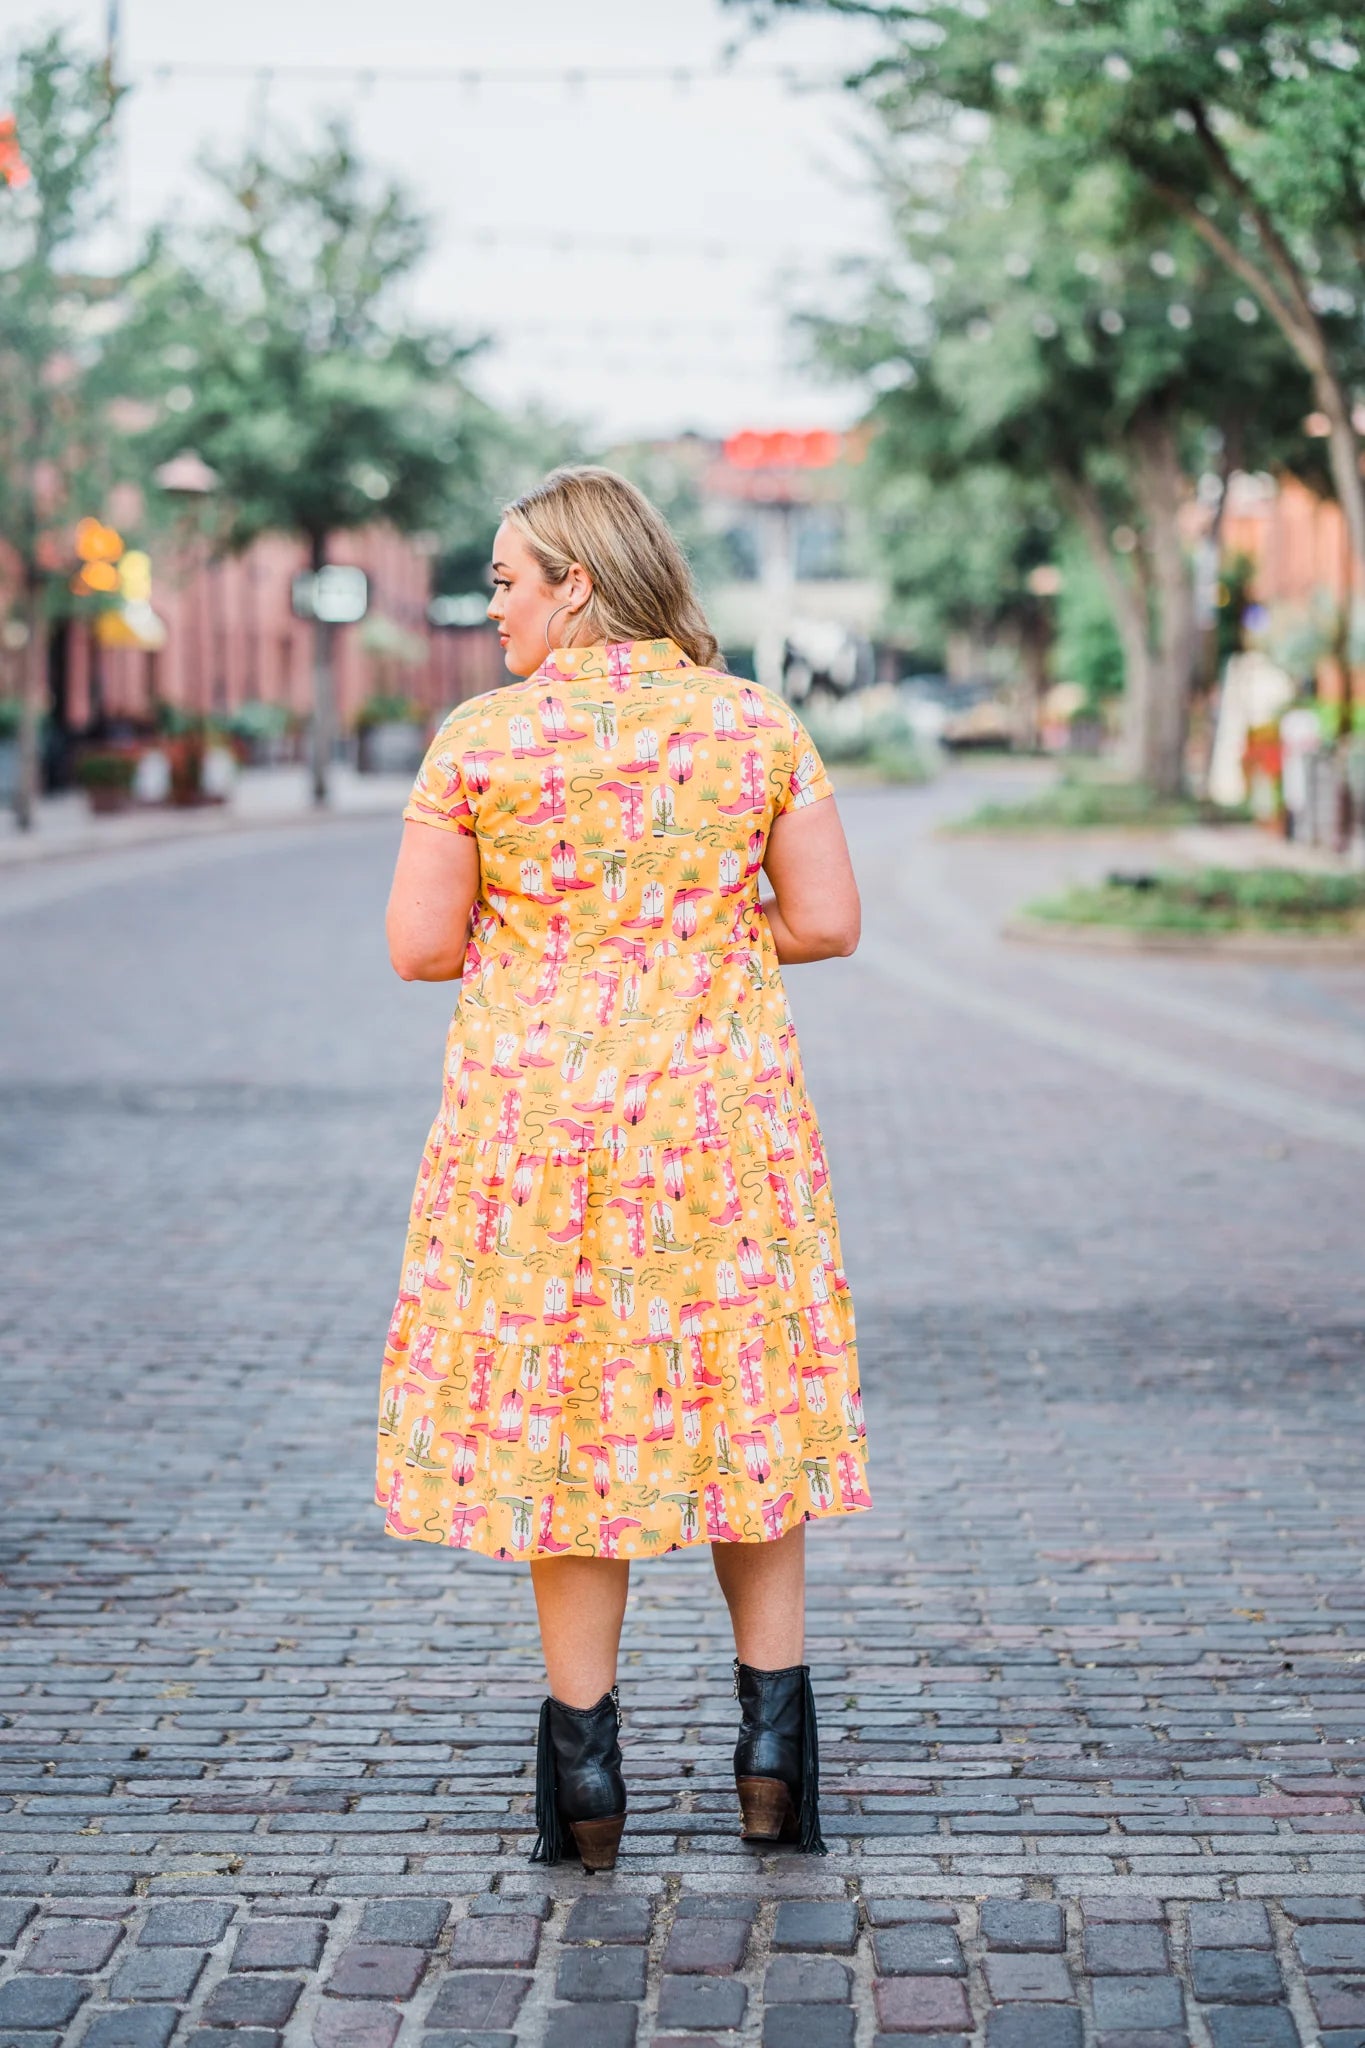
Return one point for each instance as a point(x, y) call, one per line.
point(106, 771)
point(1214, 900)
point(382, 709)
point(257, 720)
point(1079, 803)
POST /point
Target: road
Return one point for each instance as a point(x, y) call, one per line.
point(1091, 1677)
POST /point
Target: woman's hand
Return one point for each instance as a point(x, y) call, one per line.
point(815, 913)
point(435, 885)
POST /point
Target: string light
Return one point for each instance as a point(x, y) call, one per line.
point(666, 248)
point(365, 76)
point(609, 360)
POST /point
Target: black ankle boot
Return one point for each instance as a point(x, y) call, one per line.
point(579, 1786)
point(777, 1757)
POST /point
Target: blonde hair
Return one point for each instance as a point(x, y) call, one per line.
point(641, 582)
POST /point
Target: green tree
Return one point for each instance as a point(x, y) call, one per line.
point(1041, 328)
point(1243, 119)
point(1088, 650)
point(960, 551)
point(59, 446)
point(509, 453)
point(318, 406)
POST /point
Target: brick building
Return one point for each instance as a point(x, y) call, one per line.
point(1300, 551)
point(231, 638)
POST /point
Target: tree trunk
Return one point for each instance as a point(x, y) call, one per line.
point(1343, 453)
point(323, 714)
point(1128, 605)
point(1160, 485)
point(1035, 647)
point(1283, 289)
point(32, 706)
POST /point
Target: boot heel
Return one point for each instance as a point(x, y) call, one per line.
point(598, 1840)
point(777, 1757)
point(578, 1774)
point(766, 1808)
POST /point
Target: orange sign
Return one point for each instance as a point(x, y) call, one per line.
point(14, 172)
point(98, 548)
point(96, 542)
point(817, 450)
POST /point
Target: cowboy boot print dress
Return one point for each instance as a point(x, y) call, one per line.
point(623, 1324)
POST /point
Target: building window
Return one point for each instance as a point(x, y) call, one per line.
point(741, 554)
point(819, 544)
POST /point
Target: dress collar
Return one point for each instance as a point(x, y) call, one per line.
point(611, 660)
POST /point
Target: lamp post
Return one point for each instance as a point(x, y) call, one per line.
point(188, 479)
point(330, 594)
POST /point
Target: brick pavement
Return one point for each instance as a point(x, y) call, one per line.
point(1090, 1677)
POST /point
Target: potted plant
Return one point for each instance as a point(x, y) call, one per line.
point(258, 732)
point(389, 735)
point(107, 779)
point(187, 739)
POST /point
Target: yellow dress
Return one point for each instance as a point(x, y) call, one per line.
point(623, 1323)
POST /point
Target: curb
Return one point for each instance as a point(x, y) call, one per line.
point(1285, 949)
point(44, 853)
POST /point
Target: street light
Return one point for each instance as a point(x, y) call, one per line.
point(188, 478)
point(331, 594)
point(186, 475)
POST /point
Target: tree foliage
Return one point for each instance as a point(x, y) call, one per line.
point(1244, 119)
point(1133, 232)
point(61, 443)
point(296, 375)
point(1039, 329)
point(319, 403)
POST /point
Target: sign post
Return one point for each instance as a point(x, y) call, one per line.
point(331, 595)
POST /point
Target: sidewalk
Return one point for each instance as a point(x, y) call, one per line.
point(281, 796)
point(1250, 846)
point(67, 827)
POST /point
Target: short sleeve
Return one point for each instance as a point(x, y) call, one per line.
point(807, 779)
point(439, 796)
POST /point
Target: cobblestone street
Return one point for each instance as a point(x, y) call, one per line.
point(1091, 1677)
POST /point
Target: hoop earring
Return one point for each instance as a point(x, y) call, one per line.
point(553, 616)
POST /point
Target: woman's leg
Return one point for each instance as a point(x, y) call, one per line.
point(581, 1602)
point(765, 1590)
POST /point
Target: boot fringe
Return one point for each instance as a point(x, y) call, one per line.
point(549, 1846)
point(808, 1819)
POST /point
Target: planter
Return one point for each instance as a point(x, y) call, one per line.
point(108, 797)
point(188, 757)
point(152, 782)
point(107, 776)
point(390, 747)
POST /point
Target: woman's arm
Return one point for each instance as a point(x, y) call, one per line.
point(814, 913)
point(434, 887)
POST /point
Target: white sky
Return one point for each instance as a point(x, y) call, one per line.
point(643, 339)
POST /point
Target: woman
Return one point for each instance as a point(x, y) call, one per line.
point(623, 1325)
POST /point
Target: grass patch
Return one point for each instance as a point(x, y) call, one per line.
point(1214, 900)
point(1079, 803)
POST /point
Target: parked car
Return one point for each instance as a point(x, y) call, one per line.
point(985, 721)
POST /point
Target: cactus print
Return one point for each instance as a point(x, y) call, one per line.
point(623, 1325)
